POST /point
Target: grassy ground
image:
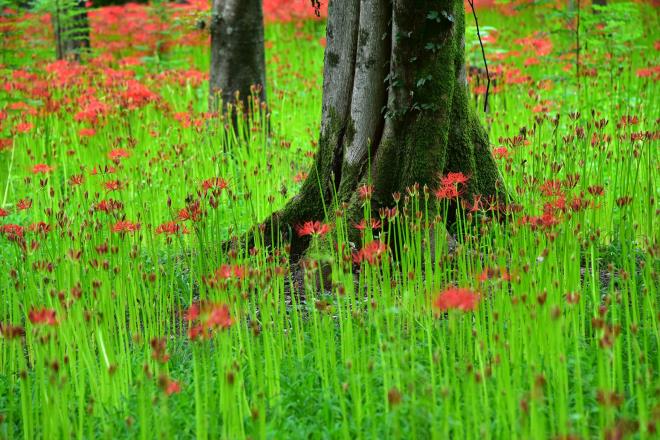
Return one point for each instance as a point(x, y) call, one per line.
point(122, 318)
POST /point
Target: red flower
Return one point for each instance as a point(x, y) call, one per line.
point(169, 386)
point(118, 154)
point(24, 204)
point(40, 228)
point(312, 228)
point(171, 228)
point(41, 168)
point(500, 152)
point(456, 298)
point(374, 224)
point(3, 212)
point(371, 252)
point(219, 317)
point(43, 316)
point(24, 127)
point(109, 206)
point(124, 226)
point(214, 183)
point(365, 192)
point(12, 232)
point(454, 179)
point(172, 387)
point(76, 179)
point(112, 185)
point(86, 132)
point(209, 316)
point(192, 212)
point(447, 192)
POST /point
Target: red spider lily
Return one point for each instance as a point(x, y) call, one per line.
point(76, 179)
point(314, 229)
point(24, 127)
point(650, 72)
point(41, 168)
point(454, 179)
point(6, 144)
point(371, 252)
point(224, 273)
point(137, 95)
point(214, 183)
point(109, 205)
point(545, 221)
point(183, 118)
point(447, 193)
point(86, 132)
point(551, 188)
point(91, 109)
point(449, 186)
point(125, 226)
point(169, 386)
point(12, 232)
point(24, 204)
point(171, 228)
point(43, 316)
point(3, 212)
point(112, 185)
point(374, 224)
point(542, 46)
point(208, 316)
point(500, 152)
point(300, 177)
point(365, 192)
point(117, 154)
point(40, 228)
point(192, 212)
point(456, 298)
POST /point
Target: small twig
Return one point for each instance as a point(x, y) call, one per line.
point(483, 54)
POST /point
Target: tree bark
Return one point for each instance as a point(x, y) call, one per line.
point(395, 109)
point(238, 65)
point(71, 25)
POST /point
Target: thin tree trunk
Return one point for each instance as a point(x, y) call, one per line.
point(396, 109)
point(238, 66)
point(71, 25)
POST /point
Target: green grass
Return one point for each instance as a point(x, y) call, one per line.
point(565, 344)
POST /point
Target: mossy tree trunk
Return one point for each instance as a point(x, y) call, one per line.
point(71, 26)
point(238, 65)
point(395, 109)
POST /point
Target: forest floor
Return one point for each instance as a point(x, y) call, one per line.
point(120, 316)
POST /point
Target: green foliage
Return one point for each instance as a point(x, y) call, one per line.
point(614, 27)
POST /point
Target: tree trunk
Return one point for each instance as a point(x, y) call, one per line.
point(71, 25)
point(395, 109)
point(238, 65)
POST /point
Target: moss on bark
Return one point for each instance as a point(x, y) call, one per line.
point(430, 127)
